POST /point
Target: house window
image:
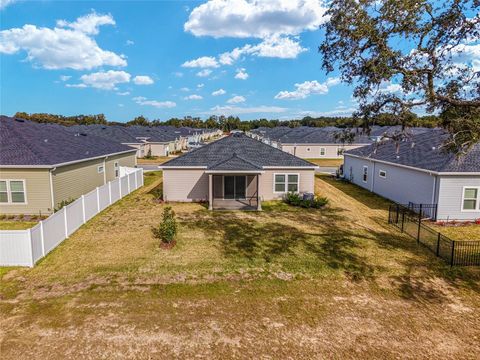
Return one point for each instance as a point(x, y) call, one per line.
point(470, 198)
point(365, 173)
point(382, 174)
point(12, 191)
point(117, 169)
point(286, 183)
point(100, 169)
point(323, 151)
point(280, 182)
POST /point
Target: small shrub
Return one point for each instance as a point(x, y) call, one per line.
point(157, 193)
point(167, 229)
point(295, 199)
point(63, 203)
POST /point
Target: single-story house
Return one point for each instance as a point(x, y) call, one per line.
point(420, 171)
point(236, 172)
point(320, 142)
point(42, 165)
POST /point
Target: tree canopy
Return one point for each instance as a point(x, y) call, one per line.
point(409, 55)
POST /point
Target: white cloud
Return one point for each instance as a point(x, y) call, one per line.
point(193, 97)
point(237, 110)
point(258, 19)
point(200, 86)
point(241, 74)
point(336, 112)
point(68, 45)
point(204, 73)
point(5, 3)
point(178, 74)
point(184, 89)
point(274, 46)
point(65, 77)
point(140, 100)
point(389, 88)
point(142, 80)
point(219, 92)
point(236, 100)
point(105, 80)
point(129, 42)
point(121, 105)
point(202, 62)
point(81, 86)
point(305, 89)
point(125, 93)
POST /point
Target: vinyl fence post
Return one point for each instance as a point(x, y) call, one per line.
point(98, 200)
point(110, 192)
point(141, 177)
point(42, 238)
point(83, 208)
point(31, 247)
point(128, 183)
point(136, 181)
point(452, 261)
point(66, 222)
point(120, 186)
point(438, 244)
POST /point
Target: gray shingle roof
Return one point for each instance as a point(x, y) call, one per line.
point(423, 151)
point(27, 143)
point(237, 152)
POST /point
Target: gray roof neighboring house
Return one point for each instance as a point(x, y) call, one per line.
point(24, 143)
point(237, 152)
point(423, 151)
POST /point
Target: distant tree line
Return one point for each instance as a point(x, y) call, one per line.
point(228, 123)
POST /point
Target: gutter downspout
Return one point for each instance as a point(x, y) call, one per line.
point(52, 198)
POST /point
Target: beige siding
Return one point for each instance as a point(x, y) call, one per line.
point(38, 195)
point(185, 185)
point(307, 182)
point(157, 149)
point(122, 159)
point(141, 151)
point(192, 185)
point(313, 151)
point(72, 181)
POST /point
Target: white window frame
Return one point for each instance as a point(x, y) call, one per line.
point(477, 208)
point(9, 192)
point(324, 151)
point(286, 183)
point(365, 175)
point(116, 169)
point(384, 176)
point(100, 169)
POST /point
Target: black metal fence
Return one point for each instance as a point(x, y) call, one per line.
point(455, 252)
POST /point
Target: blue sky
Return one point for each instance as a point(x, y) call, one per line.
point(149, 39)
point(167, 58)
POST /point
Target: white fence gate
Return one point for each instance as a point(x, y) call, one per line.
point(26, 247)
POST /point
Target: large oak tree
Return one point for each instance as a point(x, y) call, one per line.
point(405, 55)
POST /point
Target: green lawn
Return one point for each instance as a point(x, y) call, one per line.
point(286, 282)
point(327, 162)
point(16, 225)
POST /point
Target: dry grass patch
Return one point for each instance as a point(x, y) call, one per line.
point(155, 160)
point(327, 162)
point(459, 231)
point(286, 282)
point(16, 225)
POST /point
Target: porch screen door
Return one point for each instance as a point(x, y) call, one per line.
point(234, 187)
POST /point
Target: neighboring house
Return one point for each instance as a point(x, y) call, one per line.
point(42, 165)
point(420, 171)
point(320, 142)
point(235, 172)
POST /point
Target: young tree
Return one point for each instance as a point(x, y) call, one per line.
point(423, 49)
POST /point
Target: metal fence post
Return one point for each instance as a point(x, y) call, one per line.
point(452, 261)
point(419, 223)
point(438, 244)
point(403, 219)
point(396, 219)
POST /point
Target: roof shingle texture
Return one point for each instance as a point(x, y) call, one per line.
point(26, 143)
point(237, 152)
point(423, 151)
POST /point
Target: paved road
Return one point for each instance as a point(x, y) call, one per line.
point(148, 167)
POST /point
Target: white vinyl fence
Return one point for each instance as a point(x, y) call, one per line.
point(26, 247)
